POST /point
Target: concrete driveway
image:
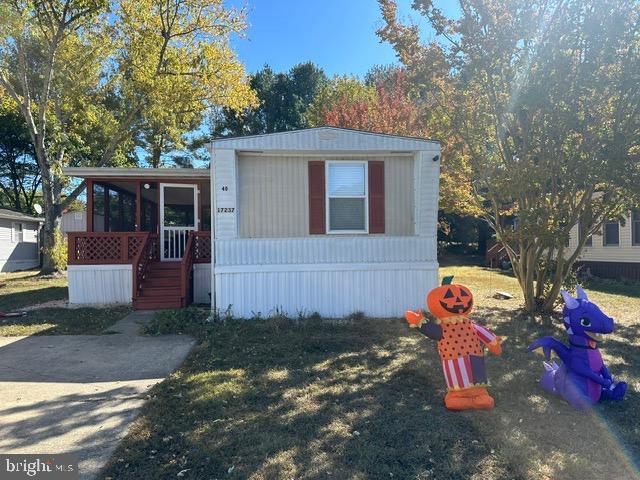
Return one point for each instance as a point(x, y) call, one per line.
point(79, 393)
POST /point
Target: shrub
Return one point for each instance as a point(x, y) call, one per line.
point(59, 250)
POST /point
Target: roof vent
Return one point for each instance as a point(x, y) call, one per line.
point(328, 135)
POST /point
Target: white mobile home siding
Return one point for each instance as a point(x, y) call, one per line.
point(265, 259)
point(18, 255)
point(108, 284)
point(75, 222)
point(274, 194)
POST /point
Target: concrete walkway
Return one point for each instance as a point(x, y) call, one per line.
point(79, 393)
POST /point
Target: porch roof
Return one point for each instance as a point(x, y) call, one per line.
point(142, 173)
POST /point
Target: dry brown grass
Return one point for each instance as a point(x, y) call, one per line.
point(363, 399)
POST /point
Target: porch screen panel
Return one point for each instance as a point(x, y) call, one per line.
point(98, 207)
point(122, 207)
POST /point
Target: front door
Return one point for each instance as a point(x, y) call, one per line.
point(178, 217)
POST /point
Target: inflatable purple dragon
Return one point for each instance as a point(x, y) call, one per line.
point(583, 379)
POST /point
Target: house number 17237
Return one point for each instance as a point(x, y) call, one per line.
point(226, 209)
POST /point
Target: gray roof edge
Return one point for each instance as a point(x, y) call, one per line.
point(12, 215)
point(352, 130)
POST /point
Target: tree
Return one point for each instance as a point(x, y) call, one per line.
point(345, 89)
point(19, 176)
point(387, 103)
point(90, 77)
point(544, 97)
point(283, 100)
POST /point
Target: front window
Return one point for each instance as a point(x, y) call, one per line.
point(635, 228)
point(611, 233)
point(114, 207)
point(17, 232)
point(347, 197)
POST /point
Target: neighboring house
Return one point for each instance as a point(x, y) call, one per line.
point(19, 241)
point(615, 253)
point(323, 220)
point(73, 222)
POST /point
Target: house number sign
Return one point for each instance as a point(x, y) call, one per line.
point(226, 209)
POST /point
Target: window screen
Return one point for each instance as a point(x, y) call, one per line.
point(18, 235)
point(347, 196)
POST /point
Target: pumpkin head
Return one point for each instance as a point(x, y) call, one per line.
point(449, 300)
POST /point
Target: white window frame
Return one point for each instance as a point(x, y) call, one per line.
point(365, 163)
point(14, 232)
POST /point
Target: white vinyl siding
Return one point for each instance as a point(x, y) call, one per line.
point(346, 197)
point(18, 251)
point(598, 252)
point(273, 195)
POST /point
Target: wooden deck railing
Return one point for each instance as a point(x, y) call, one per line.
point(186, 267)
point(148, 252)
point(201, 247)
point(100, 248)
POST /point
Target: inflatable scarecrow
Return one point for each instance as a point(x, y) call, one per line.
point(459, 344)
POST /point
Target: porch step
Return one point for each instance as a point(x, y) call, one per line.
point(164, 281)
point(160, 292)
point(157, 303)
point(164, 266)
point(160, 288)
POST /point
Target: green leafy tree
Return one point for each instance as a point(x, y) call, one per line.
point(544, 98)
point(92, 77)
point(389, 102)
point(19, 175)
point(283, 100)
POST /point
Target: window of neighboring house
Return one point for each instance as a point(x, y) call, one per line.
point(583, 227)
point(347, 197)
point(635, 228)
point(17, 233)
point(611, 233)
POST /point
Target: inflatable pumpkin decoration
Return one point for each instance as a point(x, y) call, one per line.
point(460, 345)
point(448, 300)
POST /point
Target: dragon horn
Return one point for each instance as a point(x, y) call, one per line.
point(582, 295)
point(569, 301)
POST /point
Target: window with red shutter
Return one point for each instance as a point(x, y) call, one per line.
point(347, 196)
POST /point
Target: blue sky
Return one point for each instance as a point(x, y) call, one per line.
point(337, 35)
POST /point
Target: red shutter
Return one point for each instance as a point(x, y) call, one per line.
point(376, 197)
point(317, 219)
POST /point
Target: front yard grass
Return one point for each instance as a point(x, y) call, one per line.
point(363, 399)
point(27, 288)
point(63, 321)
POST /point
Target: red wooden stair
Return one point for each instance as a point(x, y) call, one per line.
point(161, 287)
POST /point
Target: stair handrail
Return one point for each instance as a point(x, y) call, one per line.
point(148, 251)
point(186, 264)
